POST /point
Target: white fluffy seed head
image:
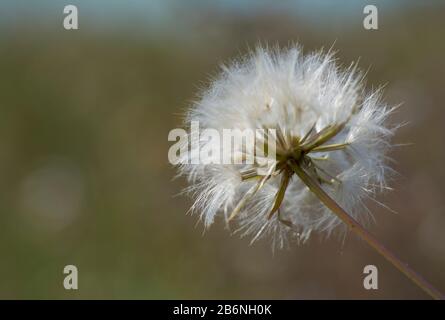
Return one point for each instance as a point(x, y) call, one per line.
point(288, 91)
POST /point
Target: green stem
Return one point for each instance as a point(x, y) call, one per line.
point(364, 234)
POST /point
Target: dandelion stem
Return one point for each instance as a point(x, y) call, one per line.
point(364, 234)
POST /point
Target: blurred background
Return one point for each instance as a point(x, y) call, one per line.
point(84, 174)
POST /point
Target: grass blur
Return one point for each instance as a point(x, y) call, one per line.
point(85, 180)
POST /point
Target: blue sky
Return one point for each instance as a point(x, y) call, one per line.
point(164, 12)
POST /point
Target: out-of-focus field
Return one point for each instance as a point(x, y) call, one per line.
point(85, 180)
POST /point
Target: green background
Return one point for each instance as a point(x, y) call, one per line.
point(84, 174)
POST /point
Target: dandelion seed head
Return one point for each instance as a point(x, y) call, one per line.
point(298, 95)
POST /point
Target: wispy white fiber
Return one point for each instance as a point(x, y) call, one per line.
point(288, 91)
